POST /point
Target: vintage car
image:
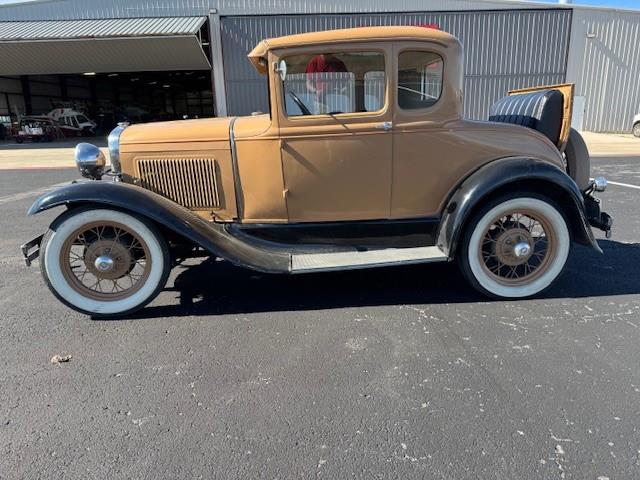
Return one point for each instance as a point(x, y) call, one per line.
point(365, 160)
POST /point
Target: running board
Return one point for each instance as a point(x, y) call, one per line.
point(319, 262)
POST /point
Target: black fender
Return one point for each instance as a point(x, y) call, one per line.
point(500, 175)
point(211, 236)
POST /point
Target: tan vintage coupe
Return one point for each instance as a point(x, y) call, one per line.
point(365, 160)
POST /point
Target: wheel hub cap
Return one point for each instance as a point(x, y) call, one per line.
point(521, 249)
point(513, 247)
point(108, 259)
point(104, 263)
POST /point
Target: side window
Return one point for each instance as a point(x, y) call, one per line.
point(333, 83)
point(419, 79)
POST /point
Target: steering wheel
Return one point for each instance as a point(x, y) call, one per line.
point(303, 108)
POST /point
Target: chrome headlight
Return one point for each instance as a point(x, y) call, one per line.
point(90, 161)
point(114, 147)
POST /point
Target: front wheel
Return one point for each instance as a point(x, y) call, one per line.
point(636, 129)
point(104, 262)
point(515, 247)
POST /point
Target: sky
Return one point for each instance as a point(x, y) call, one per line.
point(609, 3)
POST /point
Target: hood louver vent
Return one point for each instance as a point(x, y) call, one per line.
point(190, 182)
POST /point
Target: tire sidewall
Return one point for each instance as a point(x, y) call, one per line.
point(471, 263)
point(636, 129)
point(69, 223)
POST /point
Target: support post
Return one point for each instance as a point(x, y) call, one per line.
point(217, 63)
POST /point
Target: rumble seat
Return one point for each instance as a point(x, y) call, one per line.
point(540, 110)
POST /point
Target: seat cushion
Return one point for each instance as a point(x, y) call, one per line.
point(541, 111)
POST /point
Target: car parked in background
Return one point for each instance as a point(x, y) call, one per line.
point(37, 129)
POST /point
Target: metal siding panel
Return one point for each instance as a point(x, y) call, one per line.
point(129, 27)
point(608, 74)
point(87, 9)
point(503, 50)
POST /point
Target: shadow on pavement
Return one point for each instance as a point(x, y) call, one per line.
point(214, 288)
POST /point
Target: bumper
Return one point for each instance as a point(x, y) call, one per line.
point(595, 216)
point(31, 250)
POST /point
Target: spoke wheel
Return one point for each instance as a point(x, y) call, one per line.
point(105, 261)
point(515, 246)
point(518, 247)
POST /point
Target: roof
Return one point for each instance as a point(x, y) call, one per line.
point(103, 28)
point(369, 34)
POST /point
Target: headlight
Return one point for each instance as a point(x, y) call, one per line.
point(90, 161)
point(114, 147)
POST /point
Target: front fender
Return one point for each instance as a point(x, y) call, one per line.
point(499, 175)
point(213, 237)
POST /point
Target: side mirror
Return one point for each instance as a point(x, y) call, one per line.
point(281, 68)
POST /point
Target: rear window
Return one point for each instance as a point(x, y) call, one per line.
point(419, 79)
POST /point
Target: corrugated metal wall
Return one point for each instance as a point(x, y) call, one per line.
point(605, 65)
point(87, 9)
point(504, 49)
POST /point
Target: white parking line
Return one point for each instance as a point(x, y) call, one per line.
point(32, 193)
point(624, 185)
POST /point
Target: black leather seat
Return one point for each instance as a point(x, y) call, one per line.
point(542, 111)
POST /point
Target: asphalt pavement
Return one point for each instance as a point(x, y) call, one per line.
point(395, 373)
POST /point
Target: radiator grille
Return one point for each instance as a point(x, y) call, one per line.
point(190, 182)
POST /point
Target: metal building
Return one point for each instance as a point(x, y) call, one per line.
point(508, 44)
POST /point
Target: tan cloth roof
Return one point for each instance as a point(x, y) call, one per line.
point(370, 34)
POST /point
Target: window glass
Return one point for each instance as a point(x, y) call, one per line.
point(419, 79)
point(333, 83)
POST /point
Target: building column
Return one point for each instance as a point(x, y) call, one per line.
point(217, 63)
point(26, 94)
point(64, 91)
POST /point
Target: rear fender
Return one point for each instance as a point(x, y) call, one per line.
point(500, 175)
point(213, 237)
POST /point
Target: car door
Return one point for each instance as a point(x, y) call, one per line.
point(428, 159)
point(335, 130)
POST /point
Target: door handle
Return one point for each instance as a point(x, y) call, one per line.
point(386, 126)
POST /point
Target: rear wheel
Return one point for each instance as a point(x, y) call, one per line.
point(515, 247)
point(636, 129)
point(104, 262)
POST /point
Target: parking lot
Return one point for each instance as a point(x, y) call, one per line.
point(390, 373)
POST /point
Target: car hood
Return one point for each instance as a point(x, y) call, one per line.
point(180, 131)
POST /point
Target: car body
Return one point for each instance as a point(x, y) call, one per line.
point(636, 125)
point(36, 129)
point(364, 160)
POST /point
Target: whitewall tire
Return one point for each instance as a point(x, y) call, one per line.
point(104, 262)
point(515, 247)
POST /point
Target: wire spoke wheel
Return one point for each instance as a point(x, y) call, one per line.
point(105, 261)
point(517, 247)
